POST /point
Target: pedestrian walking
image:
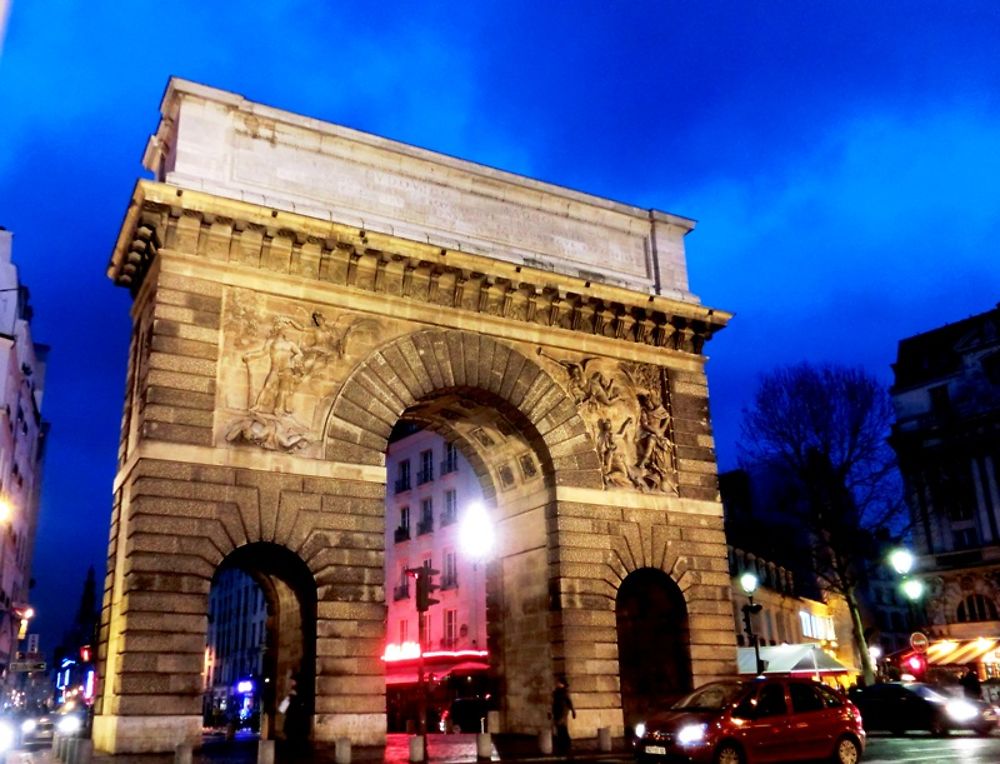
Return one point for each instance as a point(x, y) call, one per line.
point(296, 726)
point(562, 707)
point(971, 685)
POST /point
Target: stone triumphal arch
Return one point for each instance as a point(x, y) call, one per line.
point(299, 289)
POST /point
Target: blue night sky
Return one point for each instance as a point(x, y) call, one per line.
point(842, 159)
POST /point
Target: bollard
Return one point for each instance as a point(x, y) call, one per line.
point(342, 751)
point(484, 745)
point(71, 747)
point(416, 749)
point(84, 751)
point(57, 743)
point(265, 752)
point(604, 738)
point(492, 722)
point(183, 754)
point(545, 741)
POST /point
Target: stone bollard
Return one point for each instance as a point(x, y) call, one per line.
point(265, 752)
point(342, 751)
point(71, 748)
point(84, 751)
point(183, 753)
point(493, 722)
point(416, 749)
point(484, 746)
point(545, 741)
point(604, 738)
point(57, 742)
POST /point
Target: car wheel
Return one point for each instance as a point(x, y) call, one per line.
point(847, 752)
point(938, 727)
point(729, 753)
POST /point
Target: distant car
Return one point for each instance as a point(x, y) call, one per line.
point(35, 727)
point(899, 707)
point(747, 722)
point(466, 714)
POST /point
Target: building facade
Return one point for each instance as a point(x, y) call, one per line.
point(22, 449)
point(234, 655)
point(947, 437)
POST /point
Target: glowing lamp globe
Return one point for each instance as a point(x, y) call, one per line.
point(901, 561)
point(749, 582)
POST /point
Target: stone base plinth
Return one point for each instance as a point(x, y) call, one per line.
point(145, 734)
point(360, 729)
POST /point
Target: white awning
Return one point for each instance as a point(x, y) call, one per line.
point(791, 659)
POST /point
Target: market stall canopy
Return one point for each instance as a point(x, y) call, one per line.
point(791, 659)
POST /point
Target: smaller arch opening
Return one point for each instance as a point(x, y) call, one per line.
point(261, 636)
point(654, 656)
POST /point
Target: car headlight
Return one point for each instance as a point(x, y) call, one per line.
point(28, 725)
point(691, 733)
point(961, 710)
point(640, 729)
point(7, 736)
point(69, 725)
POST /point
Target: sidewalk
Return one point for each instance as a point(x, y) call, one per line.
point(441, 749)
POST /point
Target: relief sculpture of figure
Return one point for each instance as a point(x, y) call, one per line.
point(653, 444)
point(285, 366)
point(613, 465)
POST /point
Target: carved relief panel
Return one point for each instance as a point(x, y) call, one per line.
point(282, 363)
point(627, 408)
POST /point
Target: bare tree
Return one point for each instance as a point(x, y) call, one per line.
point(824, 429)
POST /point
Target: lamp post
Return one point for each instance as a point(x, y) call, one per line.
point(902, 561)
point(749, 583)
point(475, 536)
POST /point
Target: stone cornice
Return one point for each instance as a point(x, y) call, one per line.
point(226, 230)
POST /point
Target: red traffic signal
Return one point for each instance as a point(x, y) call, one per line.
point(85, 654)
point(916, 665)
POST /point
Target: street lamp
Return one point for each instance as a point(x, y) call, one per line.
point(749, 583)
point(475, 538)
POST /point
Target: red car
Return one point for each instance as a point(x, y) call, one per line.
point(760, 720)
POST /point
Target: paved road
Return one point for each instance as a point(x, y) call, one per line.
point(916, 748)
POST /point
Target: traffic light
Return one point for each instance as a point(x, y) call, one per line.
point(916, 665)
point(425, 588)
point(85, 653)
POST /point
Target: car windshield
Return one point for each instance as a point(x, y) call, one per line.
point(927, 693)
point(711, 697)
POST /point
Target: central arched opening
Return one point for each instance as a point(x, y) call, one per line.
point(466, 492)
point(654, 656)
point(261, 642)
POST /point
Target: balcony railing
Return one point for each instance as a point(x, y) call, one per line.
point(449, 582)
point(425, 475)
point(403, 484)
point(449, 465)
point(447, 518)
point(402, 533)
point(426, 525)
point(401, 592)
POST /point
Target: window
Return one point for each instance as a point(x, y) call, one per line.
point(426, 473)
point(940, 401)
point(977, 607)
point(816, 626)
point(805, 698)
point(403, 476)
point(771, 701)
point(450, 628)
point(830, 698)
point(426, 524)
point(964, 538)
point(403, 530)
point(450, 463)
point(449, 576)
point(450, 507)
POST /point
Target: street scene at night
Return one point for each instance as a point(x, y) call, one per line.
point(593, 382)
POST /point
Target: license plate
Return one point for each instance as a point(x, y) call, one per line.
point(656, 750)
